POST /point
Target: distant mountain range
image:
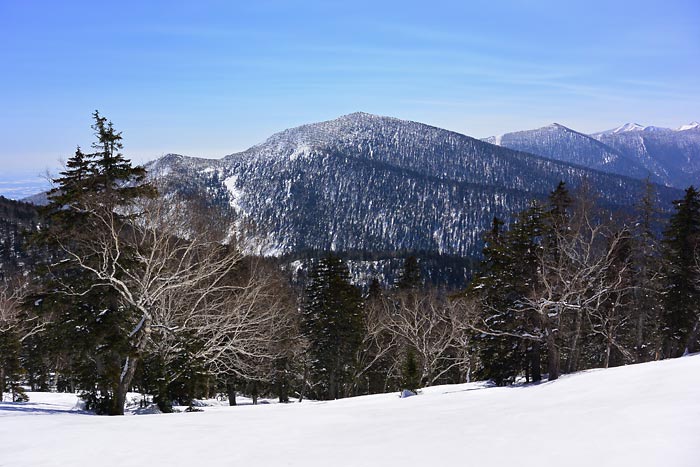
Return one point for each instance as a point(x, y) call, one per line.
point(21, 184)
point(667, 156)
point(367, 183)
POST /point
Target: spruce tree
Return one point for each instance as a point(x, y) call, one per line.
point(89, 204)
point(332, 322)
point(498, 352)
point(682, 279)
point(410, 372)
point(410, 277)
point(486, 288)
point(507, 275)
point(646, 266)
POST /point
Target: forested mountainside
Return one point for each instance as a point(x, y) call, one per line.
point(667, 156)
point(15, 218)
point(558, 142)
point(377, 184)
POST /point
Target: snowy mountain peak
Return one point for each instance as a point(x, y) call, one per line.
point(554, 126)
point(689, 126)
point(362, 116)
point(629, 127)
point(352, 130)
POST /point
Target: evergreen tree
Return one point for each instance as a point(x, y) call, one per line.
point(560, 202)
point(374, 292)
point(495, 351)
point(332, 322)
point(682, 301)
point(115, 179)
point(89, 204)
point(646, 304)
point(74, 182)
point(410, 277)
point(410, 372)
point(507, 274)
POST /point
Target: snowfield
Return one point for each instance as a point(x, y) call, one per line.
point(638, 415)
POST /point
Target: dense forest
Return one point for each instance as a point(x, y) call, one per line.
point(129, 290)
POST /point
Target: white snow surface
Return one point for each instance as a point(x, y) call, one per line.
point(231, 184)
point(638, 415)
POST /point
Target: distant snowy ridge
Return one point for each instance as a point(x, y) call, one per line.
point(667, 156)
point(689, 126)
point(556, 141)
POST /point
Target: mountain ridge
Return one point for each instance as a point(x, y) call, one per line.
point(364, 182)
point(667, 156)
point(559, 142)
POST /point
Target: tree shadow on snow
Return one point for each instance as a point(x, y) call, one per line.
point(31, 408)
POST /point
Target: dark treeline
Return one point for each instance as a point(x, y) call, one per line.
point(130, 290)
point(570, 286)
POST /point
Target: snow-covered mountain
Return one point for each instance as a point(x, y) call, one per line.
point(368, 183)
point(689, 126)
point(672, 155)
point(667, 156)
point(558, 142)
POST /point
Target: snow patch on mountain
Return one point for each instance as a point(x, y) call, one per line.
point(689, 126)
point(629, 127)
point(235, 193)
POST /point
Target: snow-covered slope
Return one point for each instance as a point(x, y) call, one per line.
point(369, 183)
point(689, 126)
point(558, 142)
point(639, 415)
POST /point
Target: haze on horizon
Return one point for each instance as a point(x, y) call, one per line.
point(217, 77)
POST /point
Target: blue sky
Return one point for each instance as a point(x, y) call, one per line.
point(210, 78)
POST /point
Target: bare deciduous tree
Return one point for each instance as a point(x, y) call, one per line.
point(435, 328)
point(167, 264)
point(17, 323)
point(574, 282)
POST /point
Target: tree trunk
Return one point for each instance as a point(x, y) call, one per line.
point(303, 383)
point(124, 384)
point(332, 386)
point(2, 382)
point(535, 370)
point(231, 391)
point(254, 392)
point(639, 341)
point(283, 390)
point(140, 339)
point(552, 356)
point(572, 361)
point(691, 346)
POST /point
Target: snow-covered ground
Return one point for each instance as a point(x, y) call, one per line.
point(639, 415)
